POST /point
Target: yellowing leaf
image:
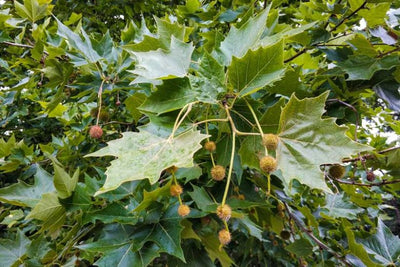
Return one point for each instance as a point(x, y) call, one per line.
point(307, 141)
point(145, 155)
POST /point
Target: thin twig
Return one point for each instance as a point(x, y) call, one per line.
point(17, 45)
point(370, 156)
point(302, 51)
point(388, 52)
point(314, 238)
point(349, 16)
point(384, 182)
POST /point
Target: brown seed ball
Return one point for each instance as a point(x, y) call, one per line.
point(241, 197)
point(172, 169)
point(268, 164)
point(175, 190)
point(218, 172)
point(337, 171)
point(285, 235)
point(210, 146)
point(270, 141)
point(224, 237)
point(370, 176)
point(280, 207)
point(183, 210)
point(96, 132)
point(224, 212)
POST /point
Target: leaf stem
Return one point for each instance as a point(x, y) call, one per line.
point(261, 132)
point(230, 168)
point(100, 97)
point(179, 120)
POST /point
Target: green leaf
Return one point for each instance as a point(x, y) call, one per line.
point(188, 232)
point(212, 246)
point(114, 212)
point(251, 150)
point(148, 154)
point(356, 248)
point(167, 235)
point(33, 10)
point(364, 67)
point(202, 199)
point(64, 184)
point(84, 46)
point(13, 251)
point(254, 229)
point(256, 69)
point(50, 211)
point(384, 245)
point(307, 141)
point(22, 194)
point(337, 206)
point(150, 197)
point(161, 64)
point(285, 34)
point(171, 95)
point(132, 104)
point(300, 247)
point(239, 41)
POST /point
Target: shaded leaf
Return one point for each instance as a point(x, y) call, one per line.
point(12, 251)
point(363, 67)
point(337, 206)
point(63, 183)
point(22, 194)
point(50, 211)
point(384, 245)
point(300, 247)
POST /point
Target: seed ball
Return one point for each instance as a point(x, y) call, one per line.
point(93, 112)
point(175, 190)
point(270, 141)
point(172, 169)
point(210, 146)
point(224, 212)
point(104, 115)
point(285, 235)
point(218, 172)
point(337, 171)
point(268, 164)
point(370, 176)
point(183, 210)
point(96, 132)
point(224, 237)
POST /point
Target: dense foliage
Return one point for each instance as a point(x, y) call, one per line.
point(199, 133)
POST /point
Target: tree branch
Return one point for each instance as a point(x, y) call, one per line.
point(349, 16)
point(384, 182)
point(370, 156)
point(18, 45)
point(314, 238)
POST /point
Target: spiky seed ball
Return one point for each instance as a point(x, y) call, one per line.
point(172, 169)
point(275, 243)
point(224, 237)
point(104, 115)
point(183, 210)
point(268, 164)
point(175, 190)
point(96, 132)
point(285, 235)
point(210, 146)
point(93, 112)
point(337, 171)
point(370, 176)
point(270, 141)
point(224, 212)
point(280, 207)
point(218, 172)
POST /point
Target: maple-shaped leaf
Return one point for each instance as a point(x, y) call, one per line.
point(163, 64)
point(307, 141)
point(145, 155)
